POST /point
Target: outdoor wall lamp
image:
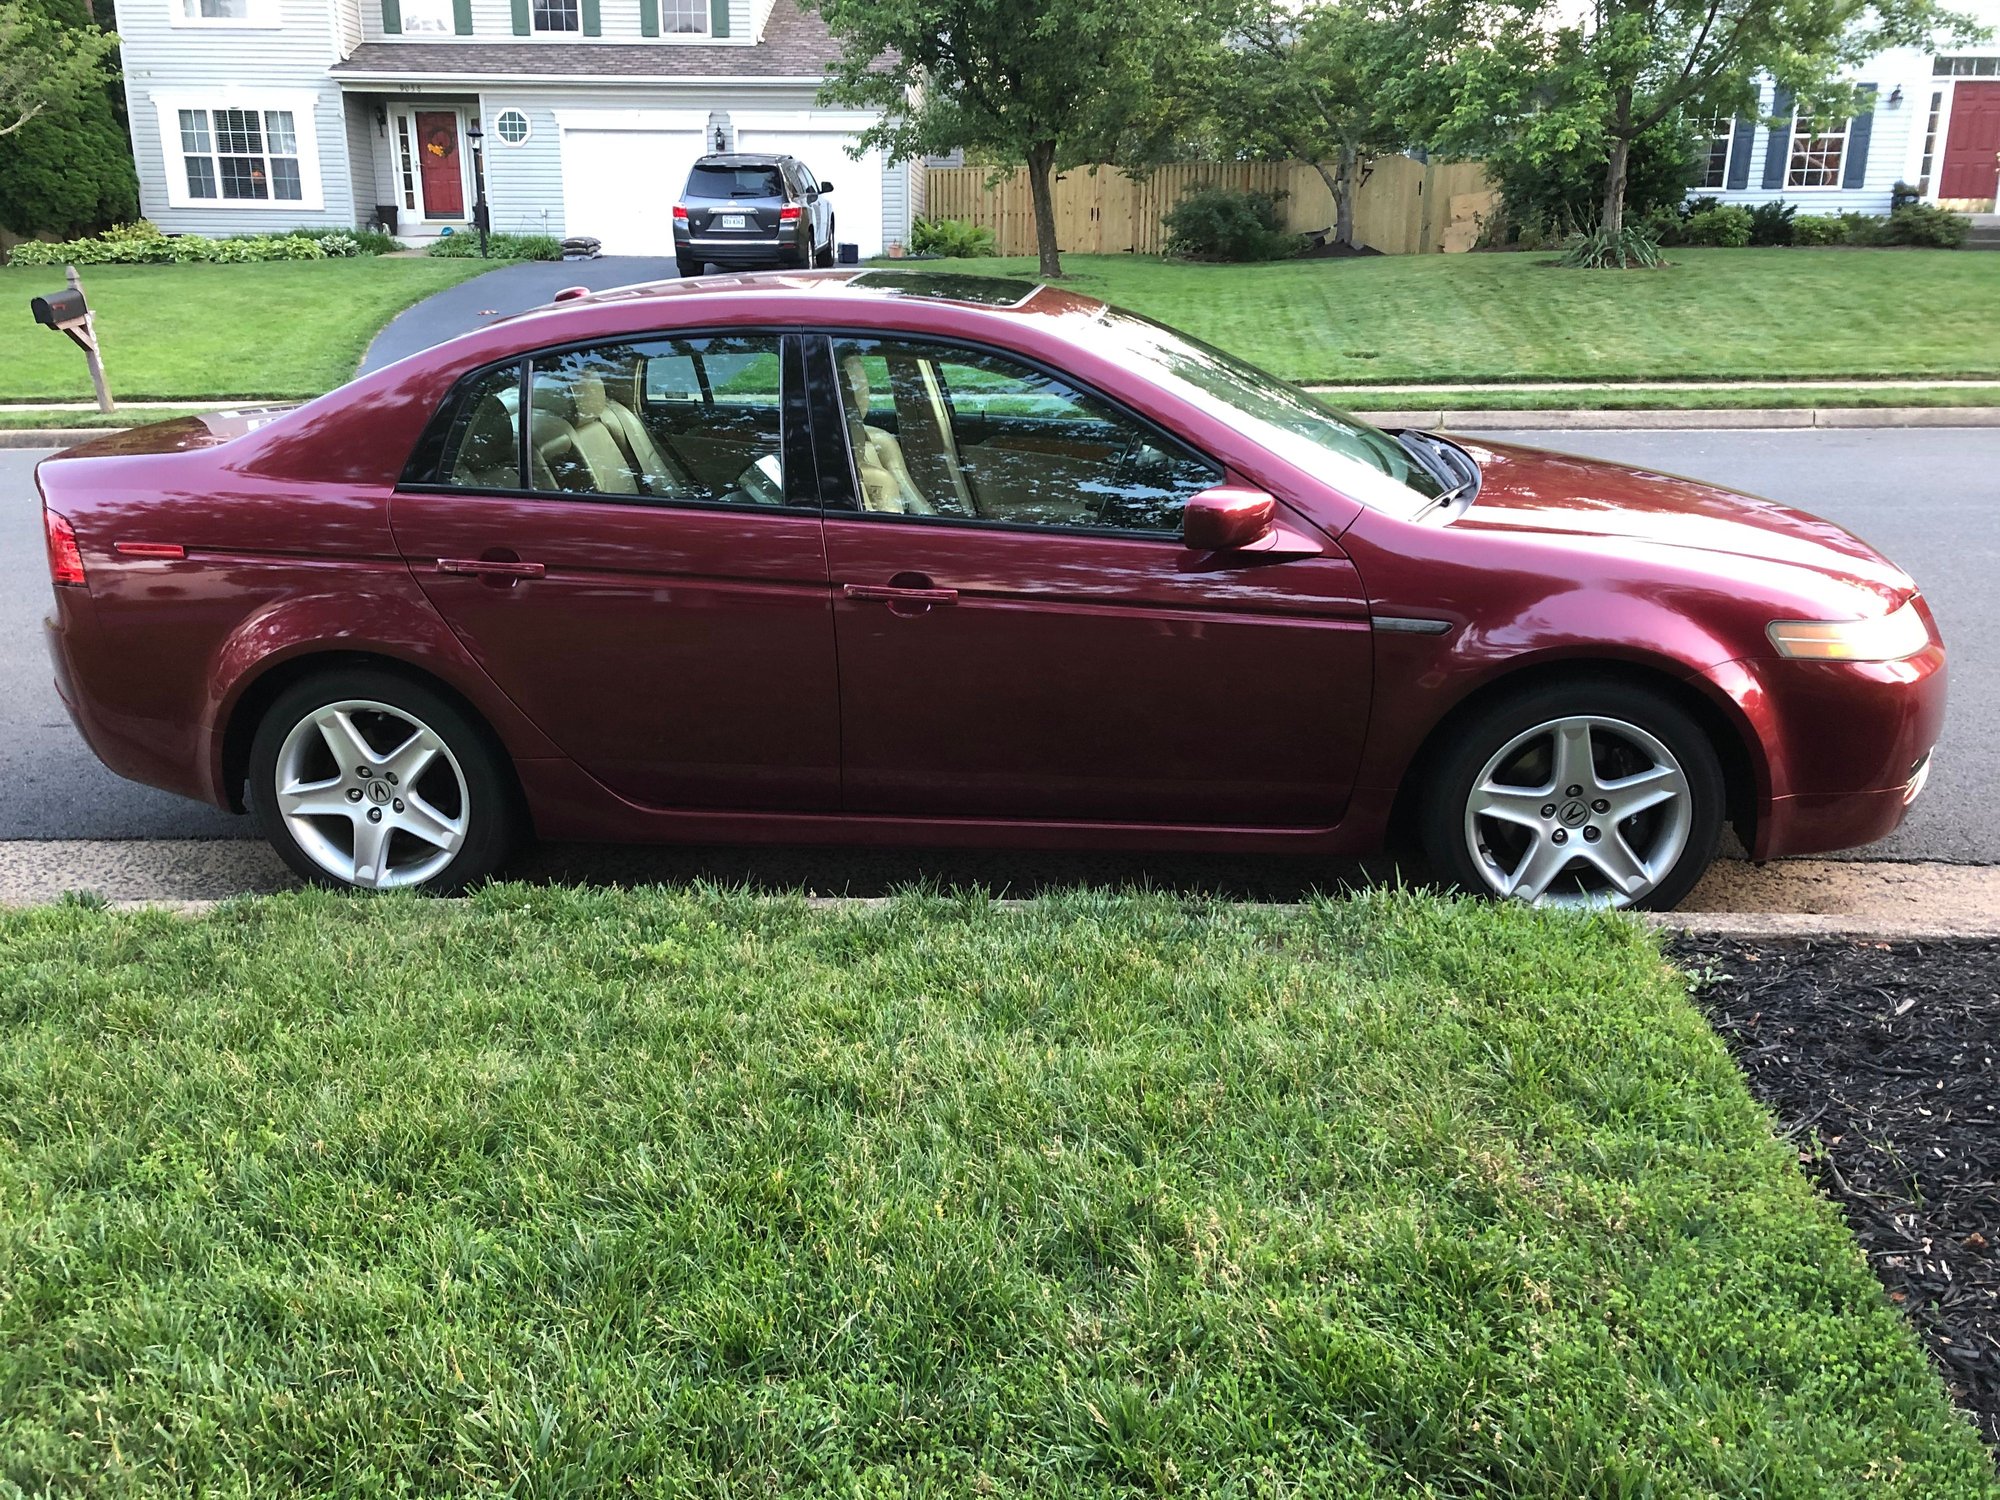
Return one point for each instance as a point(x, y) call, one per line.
point(1896, 97)
point(382, 120)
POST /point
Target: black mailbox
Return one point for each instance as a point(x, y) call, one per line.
point(58, 308)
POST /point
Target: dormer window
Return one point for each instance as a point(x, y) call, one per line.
point(427, 18)
point(558, 15)
point(684, 17)
point(223, 13)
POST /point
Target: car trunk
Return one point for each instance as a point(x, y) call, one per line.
point(744, 201)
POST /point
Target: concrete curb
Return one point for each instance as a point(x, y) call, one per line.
point(51, 437)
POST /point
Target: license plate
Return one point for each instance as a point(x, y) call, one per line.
point(732, 221)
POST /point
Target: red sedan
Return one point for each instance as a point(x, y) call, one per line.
point(898, 558)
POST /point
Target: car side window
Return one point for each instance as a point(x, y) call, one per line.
point(475, 443)
point(664, 420)
point(939, 430)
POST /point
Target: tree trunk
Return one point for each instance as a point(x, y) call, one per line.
point(1041, 188)
point(1613, 217)
point(1343, 201)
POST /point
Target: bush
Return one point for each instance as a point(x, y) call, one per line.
point(142, 243)
point(1925, 224)
point(1214, 223)
point(500, 246)
point(1864, 229)
point(1601, 250)
point(1563, 195)
point(365, 241)
point(958, 239)
point(1771, 223)
point(1726, 226)
point(1819, 229)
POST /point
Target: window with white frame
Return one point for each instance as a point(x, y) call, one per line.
point(1718, 137)
point(1819, 150)
point(427, 18)
point(406, 159)
point(1930, 141)
point(241, 154)
point(511, 126)
point(557, 15)
point(684, 17)
point(223, 13)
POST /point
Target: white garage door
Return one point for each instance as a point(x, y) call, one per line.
point(620, 182)
point(822, 146)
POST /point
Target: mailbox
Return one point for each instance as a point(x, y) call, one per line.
point(59, 309)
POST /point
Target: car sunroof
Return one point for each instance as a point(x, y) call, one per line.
point(942, 286)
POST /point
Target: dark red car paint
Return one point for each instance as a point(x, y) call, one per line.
point(1077, 690)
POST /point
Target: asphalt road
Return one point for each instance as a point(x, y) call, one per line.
point(1928, 498)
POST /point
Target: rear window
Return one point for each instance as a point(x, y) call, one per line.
point(735, 182)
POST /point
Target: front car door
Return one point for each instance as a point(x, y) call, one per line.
point(1023, 635)
point(639, 564)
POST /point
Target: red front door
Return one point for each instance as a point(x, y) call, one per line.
point(1972, 145)
point(444, 181)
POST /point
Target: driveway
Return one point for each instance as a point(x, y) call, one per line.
point(513, 288)
point(1929, 498)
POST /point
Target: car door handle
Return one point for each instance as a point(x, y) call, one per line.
point(890, 594)
point(488, 567)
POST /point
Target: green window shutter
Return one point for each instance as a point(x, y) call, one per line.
point(593, 23)
point(1778, 149)
point(461, 17)
point(649, 17)
point(718, 17)
point(1854, 171)
point(392, 17)
point(521, 27)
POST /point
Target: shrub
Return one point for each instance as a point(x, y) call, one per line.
point(1819, 229)
point(1771, 223)
point(958, 239)
point(1601, 250)
point(142, 243)
point(1925, 224)
point(365, 241)
point(499, 246)
point(1726, 226)
point(1864, 229)
point(1214, 223)
point(1563, 193)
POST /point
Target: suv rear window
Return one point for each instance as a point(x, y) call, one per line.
point(735, 182)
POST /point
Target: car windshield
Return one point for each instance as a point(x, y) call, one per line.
point(735, 182)
point(1363, 462)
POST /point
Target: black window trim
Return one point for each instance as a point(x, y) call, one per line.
point(796, 446)
point(837, 461)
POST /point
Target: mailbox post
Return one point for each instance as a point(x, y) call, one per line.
point(67, 312)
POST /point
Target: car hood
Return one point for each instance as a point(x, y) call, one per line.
point(1531, 490)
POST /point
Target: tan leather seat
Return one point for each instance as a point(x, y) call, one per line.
point(614, 446)
point(878, 458)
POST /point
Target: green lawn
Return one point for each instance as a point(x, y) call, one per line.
point(1599, 399)
point(1714, 313)
point(282, 328)
point(561, 1192)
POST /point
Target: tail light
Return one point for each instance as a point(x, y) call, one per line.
point(680, 213)
point(789, 215)
point(65, 560)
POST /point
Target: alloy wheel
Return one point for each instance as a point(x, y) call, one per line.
point(1579, 811)
point(372, 794)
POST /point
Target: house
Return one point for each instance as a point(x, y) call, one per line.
point(1934, 124)
point(581, 117)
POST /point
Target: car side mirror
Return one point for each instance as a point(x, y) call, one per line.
point(826, 187)
point(1227, 518)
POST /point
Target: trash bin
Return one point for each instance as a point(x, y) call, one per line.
point(849, 253)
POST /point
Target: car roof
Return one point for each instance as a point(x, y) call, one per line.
point(744, 158)
point(841, 287)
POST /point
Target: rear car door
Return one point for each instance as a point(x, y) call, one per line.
point(639, 564)
point(1022, 633)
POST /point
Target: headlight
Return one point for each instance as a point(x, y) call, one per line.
point(1889, 637)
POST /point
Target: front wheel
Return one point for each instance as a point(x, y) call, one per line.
point(1584, 794)
point(824, 256)
point(362, 778)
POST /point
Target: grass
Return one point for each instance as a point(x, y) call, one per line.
point(561, 1192)
point(1755, 314)
point(200, 332)
point(1598, 399)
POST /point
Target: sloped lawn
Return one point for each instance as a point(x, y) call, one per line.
point(562, 1193)
point(200, 332)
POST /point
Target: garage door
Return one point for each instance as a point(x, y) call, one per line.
point(822, 146)
point(620, 182)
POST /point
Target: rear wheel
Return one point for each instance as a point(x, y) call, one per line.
point(689, 267)
point(361, 778)
point(1579, 794)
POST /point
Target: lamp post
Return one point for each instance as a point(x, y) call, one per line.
point(477, 138)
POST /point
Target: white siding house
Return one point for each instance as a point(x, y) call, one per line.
point(1934, 124)
point(255, 115)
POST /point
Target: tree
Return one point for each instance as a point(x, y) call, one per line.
point(1042, 83)
point(45, 64)
point(1329, 82)
point(67, 168)
point(1594, 84)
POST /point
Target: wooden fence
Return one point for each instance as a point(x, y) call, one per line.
point(1404, 207)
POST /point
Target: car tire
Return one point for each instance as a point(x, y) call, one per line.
point(824, 257)
point(689, 267)
point(1591, 792)
point(422, 799)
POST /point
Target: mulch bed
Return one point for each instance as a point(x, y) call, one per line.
point(1883, 1062)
